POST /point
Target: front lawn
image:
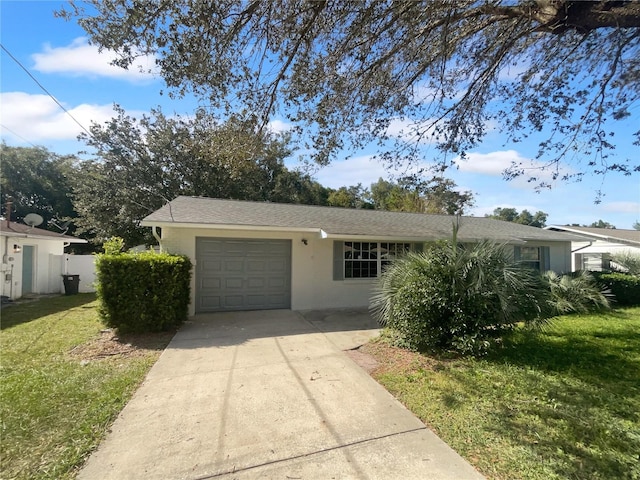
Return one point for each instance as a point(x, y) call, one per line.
point(63, 380)
point(562, 404)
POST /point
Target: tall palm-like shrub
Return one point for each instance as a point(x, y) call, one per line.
point(577, 293)
point(458, 297)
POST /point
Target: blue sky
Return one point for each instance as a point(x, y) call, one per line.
point(59, 57)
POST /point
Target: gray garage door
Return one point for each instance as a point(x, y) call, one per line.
point(239, 274)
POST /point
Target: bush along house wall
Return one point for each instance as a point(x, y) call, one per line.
point(144, 292)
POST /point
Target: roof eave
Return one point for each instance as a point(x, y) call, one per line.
point(220, 226)
point(370, 236)
point(4, 233)
point(590, 236)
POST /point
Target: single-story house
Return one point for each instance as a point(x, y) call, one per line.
point(593, 252)
point(259, 255)
point(33, 259)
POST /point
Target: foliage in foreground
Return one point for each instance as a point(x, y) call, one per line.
point(357, 72)
point(558, 404)
point(576, 292)
point(629, 261)
point(456, 297)
point(465, 297)
point(55, 407)
point(143, 292)
point(624, 288)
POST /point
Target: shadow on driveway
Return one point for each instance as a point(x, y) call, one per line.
point(346, 328)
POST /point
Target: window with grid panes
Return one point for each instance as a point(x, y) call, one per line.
point(368, 259)
point(530, 256)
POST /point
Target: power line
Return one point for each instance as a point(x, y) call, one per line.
point(16, 135)
point(44, 89)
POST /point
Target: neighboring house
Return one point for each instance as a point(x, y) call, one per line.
point(33, 259)
point(593, 252)
point(252, 255)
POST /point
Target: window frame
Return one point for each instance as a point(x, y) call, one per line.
point(541, 263)
point(366, 260)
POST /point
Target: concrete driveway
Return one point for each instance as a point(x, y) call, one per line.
point(269, 394)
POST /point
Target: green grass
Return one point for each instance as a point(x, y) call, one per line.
point(564, 404)
point(55, 408)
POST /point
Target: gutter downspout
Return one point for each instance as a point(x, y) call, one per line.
point(157, 236)
point(573, 256)
point(582, 248)
point(66, 258)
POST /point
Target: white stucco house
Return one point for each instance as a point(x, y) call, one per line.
point(593, 251)
point(33, 259)
point(259, 255)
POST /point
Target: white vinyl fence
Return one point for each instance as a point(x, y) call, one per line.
point(83, 265)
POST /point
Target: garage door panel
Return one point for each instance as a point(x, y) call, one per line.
point(242, 274)
point(210, 283)
point(257, 266)
point(211, 302)
point(257, 283)
point(234, 265)
point(212, 247)
point(256, 301)
point(277, 266)
point(211, 265)
point(233, 301)
point(275, 300)
point(276, 283)
point(233, 283)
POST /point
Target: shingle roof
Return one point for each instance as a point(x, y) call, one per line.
point(336, 222)
point(21, 230)
point(612, 235)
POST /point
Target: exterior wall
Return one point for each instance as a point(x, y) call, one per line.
point(312, 281)
point(55, 273)
point(45, 266)
point(312, 284)
point(560, 253)
point(596, 255)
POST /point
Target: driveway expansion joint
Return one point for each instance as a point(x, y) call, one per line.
point(309, 454)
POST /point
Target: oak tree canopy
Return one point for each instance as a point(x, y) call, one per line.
point(344, 72)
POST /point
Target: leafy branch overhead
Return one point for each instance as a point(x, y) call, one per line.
point(343, 71)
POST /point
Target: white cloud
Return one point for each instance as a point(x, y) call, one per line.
point(407, 130)
point(363, 169)
point(278, 126)
point(81, 59)
point(495, 164)
point(622, 207)
point(37, 117)
point(352, 171)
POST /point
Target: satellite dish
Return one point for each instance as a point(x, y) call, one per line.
point(33, 219)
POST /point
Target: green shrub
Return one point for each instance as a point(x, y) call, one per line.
point(458, 298)
point(145, 292)
point(577, 292)
point(624, 288)
point(113, 246)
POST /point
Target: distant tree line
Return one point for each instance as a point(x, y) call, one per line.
point(139, 165)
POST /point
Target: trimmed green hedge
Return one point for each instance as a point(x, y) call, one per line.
point(625, 288)
point(144, 292)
